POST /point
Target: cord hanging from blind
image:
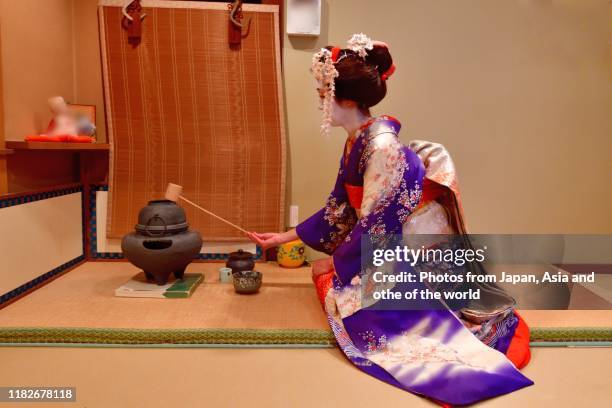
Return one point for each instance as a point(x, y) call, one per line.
point(236, 25)
point(132, 21)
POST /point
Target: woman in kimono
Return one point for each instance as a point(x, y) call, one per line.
point(454, 357)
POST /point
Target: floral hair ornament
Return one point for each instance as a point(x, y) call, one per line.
point(360, 44)
point(325, 73)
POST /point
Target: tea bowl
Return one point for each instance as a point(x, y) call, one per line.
point(247, 282)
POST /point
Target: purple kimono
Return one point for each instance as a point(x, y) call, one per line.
point(428, 352)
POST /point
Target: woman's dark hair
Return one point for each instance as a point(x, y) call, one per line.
point(360, 80)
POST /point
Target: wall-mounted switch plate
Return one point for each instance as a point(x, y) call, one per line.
point(293, 216)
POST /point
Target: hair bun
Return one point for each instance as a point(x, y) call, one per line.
point(380, 57)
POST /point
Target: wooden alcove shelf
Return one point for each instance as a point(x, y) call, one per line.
point(16, 145)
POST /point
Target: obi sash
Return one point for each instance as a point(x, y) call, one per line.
point(431, 191)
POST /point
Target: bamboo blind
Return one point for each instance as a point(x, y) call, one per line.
point(183, 107)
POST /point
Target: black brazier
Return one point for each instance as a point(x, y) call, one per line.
point(162, 243)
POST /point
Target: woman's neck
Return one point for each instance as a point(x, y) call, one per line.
point(355, 122)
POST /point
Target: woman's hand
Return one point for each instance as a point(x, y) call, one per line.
point(265, 240)
point(272, 239)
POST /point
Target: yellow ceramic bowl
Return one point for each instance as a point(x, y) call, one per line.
point(291, 254)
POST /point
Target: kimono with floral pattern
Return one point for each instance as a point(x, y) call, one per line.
point(428, 352)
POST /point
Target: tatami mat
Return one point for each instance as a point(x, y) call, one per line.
point(80, 307)
point(84, 297)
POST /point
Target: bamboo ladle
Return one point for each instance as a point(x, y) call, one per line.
point(173, 193)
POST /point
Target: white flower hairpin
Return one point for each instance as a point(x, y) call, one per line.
point(361, 44)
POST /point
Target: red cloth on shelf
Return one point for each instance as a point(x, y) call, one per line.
point(59, 139)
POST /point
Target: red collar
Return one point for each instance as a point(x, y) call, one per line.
point(381, 117)
point(367, 124)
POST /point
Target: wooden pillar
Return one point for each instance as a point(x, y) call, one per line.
point(3, 172)
point(3, 150)
point(93, 167)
